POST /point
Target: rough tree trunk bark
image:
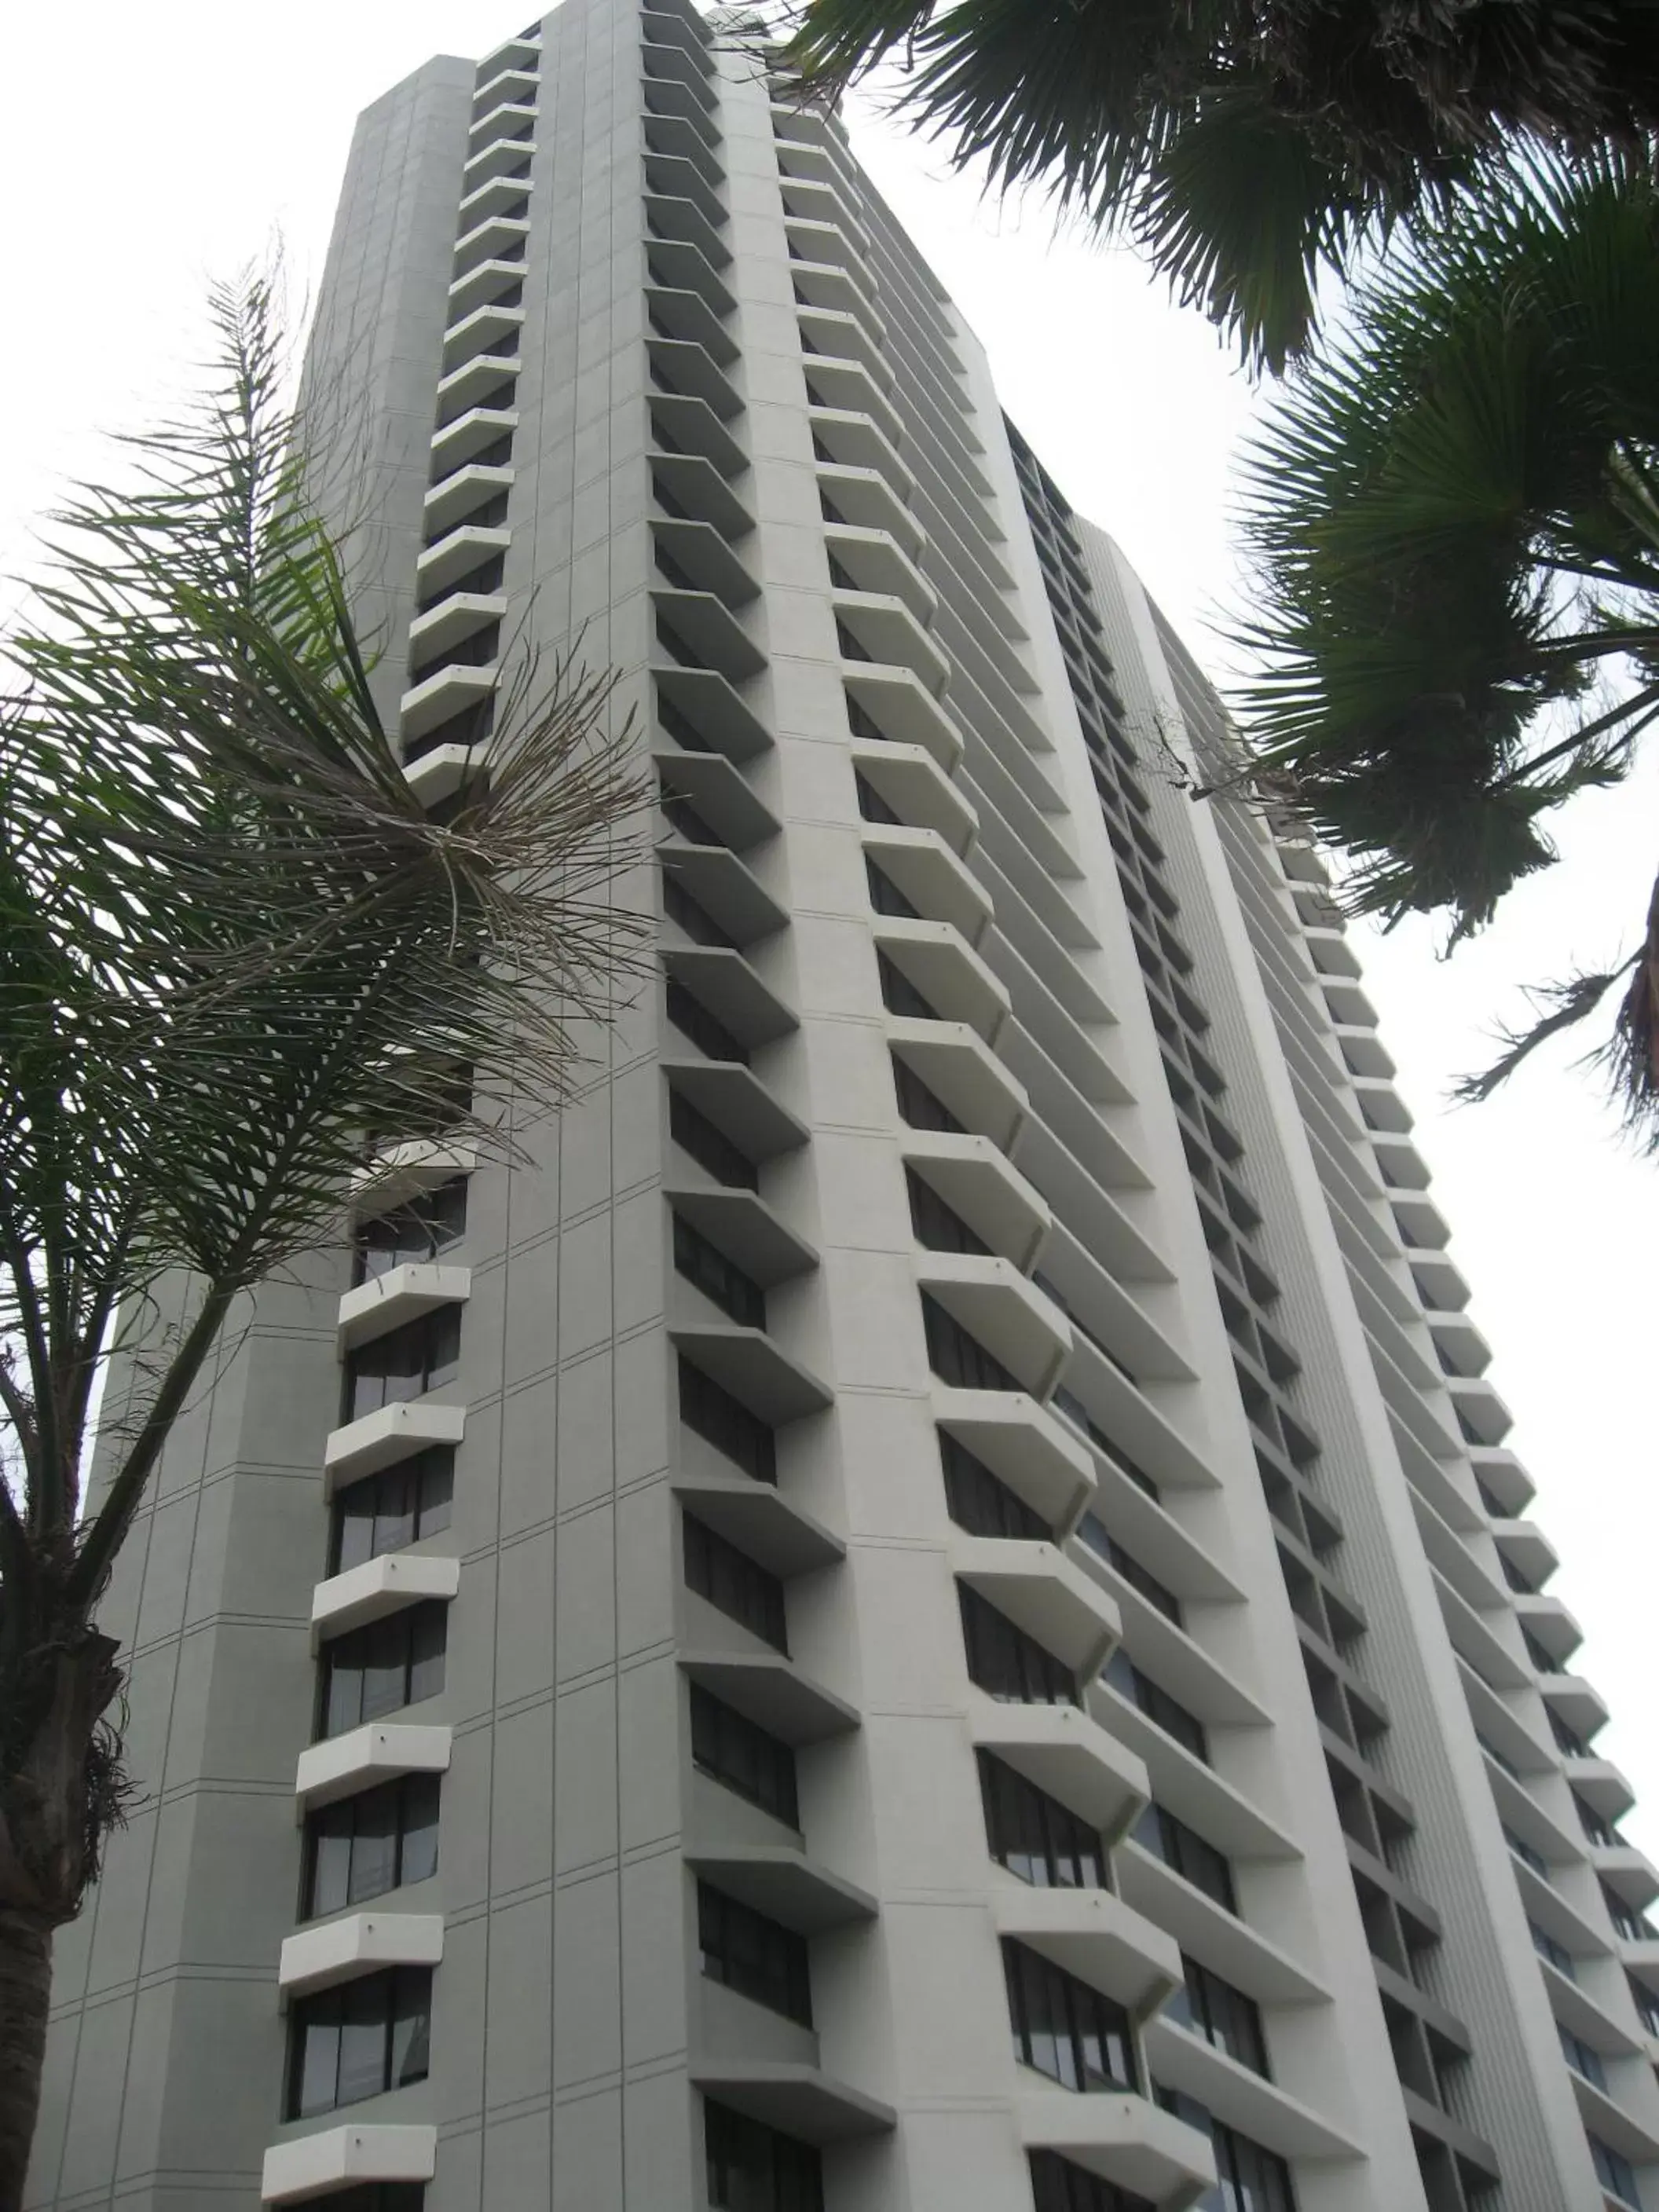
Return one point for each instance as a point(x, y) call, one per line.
point(60, 1792)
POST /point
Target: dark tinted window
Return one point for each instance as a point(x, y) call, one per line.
point(937, 1225)
point(1099, 1539)
point(917, 1105)
point(693, 1020)
point(395, 1506)
point(758, 1957)
point(753, 2168)
point(1222, 2015)
point(358, 2040)
point(1008, 1663)
point(423, 1355)
point(365, 1845)
point(720, 1278)
point(1033, 1835)
point(710, 1411)
point(734, 1750)
point(1057, 2185)
point(378, 1668)
point(981, 1502)
point(711, 1148)
point(1066, 2028)
point(960, 1359)
point(420, 1231)
point(885, 896)
point(900, 995)
point(1170, 1714)
point(1189, 1854)
point(730, 1579)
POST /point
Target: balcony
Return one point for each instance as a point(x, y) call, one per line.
point(878, 571)
point(1526, 1545)
point(1601, 1786)
point(719, 793)
point(841, 336)
point(466, 435)
point(442, 770)
point(738, 1105)
point(473, 382)
point(453, 619)
point(692, 488)
point(825, 285)
point(390, 1433)
point(710, 631)
point(851, 388)
point(799, 2100)
point(1094, 1935)
point(1038, 1589)
point(318, 2165)
point(981, 1184)
point(443, 697)
point(1548, 1622)
point(852, 441)
point(666, 27)
point(503, 120)
point(673, 181)
point(726, 888)
point(473, 486)
point(511, 82)
point(962, 1073)
point(1502, 1475)
point(480, 332)
point(744, 1361)
point(929, 876)
point(1023, 1445)
point(387, 1584)
point(784, 1884)
point(1003, 1309)
point(816, 199)
point(936, 961)
point(1204, 1927)
point(1186, 1786)
point(670, 96)
point(1579, 1705)
point(713, 707)
point(496, 237)
point(362, 1943)
point(490, 198)
point(401, 1171)
point(1068, 1755)
point(402, 1294)
point(341, 1765)
point(687, 371)
point(677, 270)
point(865, 499)
point(501, 158)
point(1240, 2097)
point(911, 782)
point(670, 64)
point(773, 1693)
point(759, 1519)
point(705, 562)
point(685, 426)
point(897, 703)
point(1126, 2140)
point(679, 135)
point(457, 554)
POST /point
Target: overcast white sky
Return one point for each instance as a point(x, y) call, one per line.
point(201, 132)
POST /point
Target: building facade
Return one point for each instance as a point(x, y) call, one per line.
point(920, 1604)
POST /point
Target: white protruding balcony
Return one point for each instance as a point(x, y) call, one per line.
point(440, 772)
point(1024, 1446)
point(482, 285)
point(913, 784)
point(473, 485)
point(444, 695)
point(463, 435)
point(459, 616)
point(1125, 2139)
point(401, 1293)
point(380, 1750)
point(402, 1172)
point(1041, 1591)
point(321, 2166)
point(1094, 1935)
point(978, 1180)
point(1063, 1751)
point(380, 1586)
point(456, 554)
point(360, 1943)
point(853, 441)
point(963, 1074)
point(498, 158)
point(489, 240)
point(476, 333)
point(901, 707)
point(936, 960)
point(391, 1432)
point(929, 874)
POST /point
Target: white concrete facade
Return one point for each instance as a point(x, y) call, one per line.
point(920, 1605)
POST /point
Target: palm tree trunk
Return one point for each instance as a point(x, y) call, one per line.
point(25, 1994)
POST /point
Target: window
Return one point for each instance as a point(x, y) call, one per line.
point(389, 1663)
point(1635, 1927)
point(1567, 1739)
point(980, 1502)
point(417, 1232)
point(918, 1106)
point(1647, 2006)
point(1595, 1829)
point(358, 2040)
point(872, 805)
point(691, 915)
point(885, 896)
point(1222, 2015)
point(711, 1148)
point(1558, 1954)
point(710, 1411)
point(937, 1226)
point(742, 1589)
point(1063, 2028)
point(752, 2168)
point(398, 1506)
point(1008, 1663)
point(758, 1957)
point(694, 1021)
point(1545, 1661)
point(1581, 2057)
point(1612, 2171)
point(363, 1846)
point(1033, 1835)
point(1524, 1851)
point(1187, 1853)
point(958, 1358)
point(1170, 1714)
point(707, 1269)
point(1253, 2179)
point(734, 1751)
point(1095, 1535)
point(381, 2196)
point(1057, 2185)
point(900, 995)
point(423, 1355)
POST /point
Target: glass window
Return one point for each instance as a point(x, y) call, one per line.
point(710, 1411)
point(358, 2040)
point(404, 1364)
point(386, 1664)
point(758, 1957)
point(381, 2197)
point(937, 1226)
point(422, 1230)
point(1222, 2015)
point(885, 896)
point(729, 1578)
point(900, 995)
point(753, 2168)
point(720, 1280)
point(1558, 1954)
point(872, 805)
point(1189, 1854)
point(1582, 2057)
point(1612, 2171)
point(1064, 2028)
point(1057, 2185)
point(693, 1021)
point(1252, 2178)
point(1170, 1714)
point(711, 1148)
point(980, 1502)
point(1647, 2005)
point(690, 914)
point(1008, 1664)
point(960, 1359)
point(917, 1105)
point(1099, 1539)
point(362, 1846)
point(395, 1506)
point(1035, 1836)
point(736, 1751)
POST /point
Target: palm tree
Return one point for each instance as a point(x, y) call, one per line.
point(1455, 515)
point(1246, 145)
point(232, 947)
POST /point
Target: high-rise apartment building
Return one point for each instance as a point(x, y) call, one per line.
point(921, 1605)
